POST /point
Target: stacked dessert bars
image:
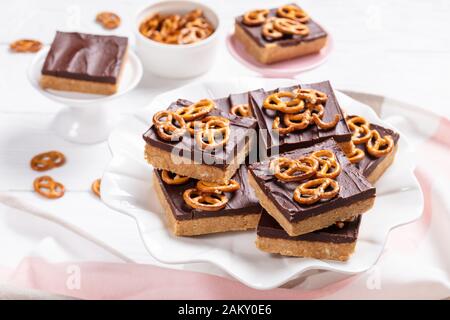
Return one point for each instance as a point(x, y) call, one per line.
point(287, 162)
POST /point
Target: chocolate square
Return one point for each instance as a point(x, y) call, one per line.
point(268, 227)
point(275, 143)
point(242, 201)
point(353, 186)
point(86, 57)
point(255, 32)
point(241, 130)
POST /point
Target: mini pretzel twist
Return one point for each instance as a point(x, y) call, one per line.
point(290, 170)
point(291, 27)
point(198, 125)
point(360, 128)
point(329, 167)
point(356, 155)
point(192, 34)
point(269, 32)
point(326, 125)
point(47, 160)
point(204, 201)
point(378, 146)
point(213, 187)
point(25, 45)
point(196, 110)
point(255, 17)
point(48, 187)
point(311, 95)
point(165, 126)
point(206, 137)
point(241, 110)
point(315, 190)
point(293, 12)
point(173, 178)
point(109, 20)
point(284, 101)
point(95, 187)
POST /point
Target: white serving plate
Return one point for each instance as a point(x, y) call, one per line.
point(127, 187)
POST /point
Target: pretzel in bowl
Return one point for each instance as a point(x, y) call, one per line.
point(48, 187)
point(255, 17)
point(196, 125)
point(289, 170)
point(170, 126)
point(214, 134)
point(173, 178)
point(25, 45)
point(311, 95)
point(284, 101)
point(47, 160)
point(293, 13)
point(315, 190)
point(269, 32)
point(329, 167)
point(109, 20)
point(204, 201)
point(378, 146)
point(241, 110)
point(196, 110)
point(192, 34)
point(291, 27)
point(213, 187)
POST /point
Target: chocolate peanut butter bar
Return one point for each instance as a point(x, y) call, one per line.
point(240, 212)
point(334, 191)
point(257, 31)
point(84, 63)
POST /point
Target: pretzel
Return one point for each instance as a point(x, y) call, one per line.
point(325, 125)
point(190, 35)
point(166, 129)
point(287, 170)
point(95, 187)
point(200, 23)
point(108, 20)
point(329, 167)
point(170, 25)
point(212, 187)
point(204, 201)
point(275, 102)
point(150, 25)
point(25, 45)
point(293, 12)
point(356, 155)
point(360, 128)
point(269, 32)
point(315, 190)
point(173, 178)
point(196, 110)
point(255, 18)
point(291, 27)
point(317, 109)
point(48, 187)
point(206, 137)
point(378, 146)
point(47, 160)
point(311, 95)
point(191, 16)
point(193, 126)
point(241, 110)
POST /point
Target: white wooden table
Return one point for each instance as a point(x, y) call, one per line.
point(400, 49)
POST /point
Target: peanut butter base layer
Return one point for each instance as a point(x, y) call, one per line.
point(195, 227)
point(65, 84)
point(273, 53)
point(165, 160)
point(318, 222)
point(307, 249)
point(382, 166)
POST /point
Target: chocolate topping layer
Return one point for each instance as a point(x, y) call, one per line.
point(240, 133)
point(268, 227)
point(369, 163)
point(86, 57)
point(315, 32)
point(242, 201)
point(302, 138)
point(353, 186)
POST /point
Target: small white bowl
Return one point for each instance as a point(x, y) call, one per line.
point(177, 61)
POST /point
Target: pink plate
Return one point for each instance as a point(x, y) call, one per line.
point(288, 68)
